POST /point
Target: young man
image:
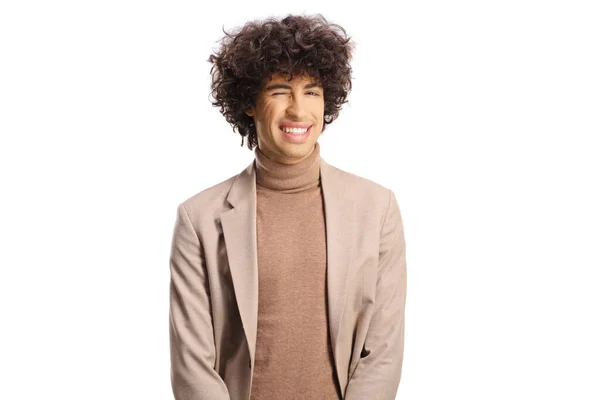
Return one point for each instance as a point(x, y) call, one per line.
point(288, 280)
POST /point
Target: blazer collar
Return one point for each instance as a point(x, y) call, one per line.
point(239, 231)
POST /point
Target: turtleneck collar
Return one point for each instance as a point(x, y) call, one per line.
point(288, 178)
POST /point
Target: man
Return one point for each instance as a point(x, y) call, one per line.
point(288, 280)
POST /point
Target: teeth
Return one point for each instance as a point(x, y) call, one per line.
point(295, 131)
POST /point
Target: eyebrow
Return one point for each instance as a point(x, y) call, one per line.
point(282, 86)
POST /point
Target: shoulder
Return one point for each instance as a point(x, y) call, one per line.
point(364, 192)
point(374, 205)
point(208, 202)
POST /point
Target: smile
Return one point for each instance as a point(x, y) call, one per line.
point(295, 135)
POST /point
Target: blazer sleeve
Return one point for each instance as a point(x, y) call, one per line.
point(377, 374)
point(191, 336)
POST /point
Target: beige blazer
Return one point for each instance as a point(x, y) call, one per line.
point(214, 288)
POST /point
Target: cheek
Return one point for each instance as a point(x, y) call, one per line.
point(320, 107)
point(273, 114)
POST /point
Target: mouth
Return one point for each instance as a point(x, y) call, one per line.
point(296, 137)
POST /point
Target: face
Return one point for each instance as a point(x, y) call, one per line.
point(282, 103)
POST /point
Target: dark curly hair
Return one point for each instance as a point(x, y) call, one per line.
point(295, 45)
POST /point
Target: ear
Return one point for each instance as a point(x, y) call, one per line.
point(250, 113)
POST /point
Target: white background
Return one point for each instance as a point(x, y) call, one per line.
point(482, 116)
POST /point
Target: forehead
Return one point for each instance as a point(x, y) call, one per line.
point(298, 79)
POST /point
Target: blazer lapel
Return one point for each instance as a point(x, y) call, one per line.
point(239, 231)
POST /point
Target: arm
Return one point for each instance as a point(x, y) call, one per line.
point(377, 375)
point(193, 376)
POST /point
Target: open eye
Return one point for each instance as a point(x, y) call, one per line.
point(313, 93)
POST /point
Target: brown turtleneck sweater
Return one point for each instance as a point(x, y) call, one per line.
point(294, 359)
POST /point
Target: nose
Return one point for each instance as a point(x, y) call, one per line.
point(296, 107)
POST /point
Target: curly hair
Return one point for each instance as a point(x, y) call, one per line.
point(302, 45)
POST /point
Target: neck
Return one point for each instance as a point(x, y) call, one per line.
point(288, 178)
